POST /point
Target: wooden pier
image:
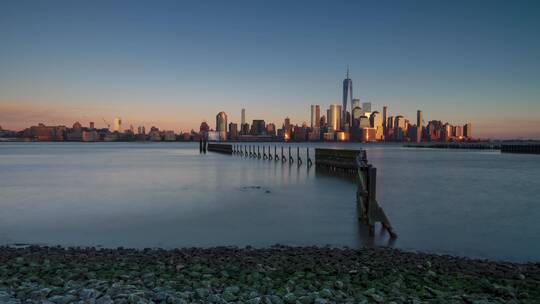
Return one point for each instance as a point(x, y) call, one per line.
point(349, 161)
point(220, 148)
point(533, 148)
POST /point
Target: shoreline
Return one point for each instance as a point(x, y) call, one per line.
point(277, 274)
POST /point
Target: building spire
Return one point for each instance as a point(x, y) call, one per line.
point(347, 71)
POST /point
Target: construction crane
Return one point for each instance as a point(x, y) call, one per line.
point(108, 125)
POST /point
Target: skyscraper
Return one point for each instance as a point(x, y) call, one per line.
point(467, 130)
point(315, 116)
point(243, 117)
point(384, 112)
point(366, 108)
point(419, 119)
point(347, 97)
point(334, 117)
point(221, 125)
point(117, 124)
point(355, 103)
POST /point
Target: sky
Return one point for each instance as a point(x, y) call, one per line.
point(174, 64)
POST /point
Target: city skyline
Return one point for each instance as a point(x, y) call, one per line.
point(59, 67)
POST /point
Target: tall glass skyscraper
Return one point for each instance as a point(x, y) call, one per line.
point(347, 97)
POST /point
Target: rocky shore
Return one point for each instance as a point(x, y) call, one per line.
point(277, 274)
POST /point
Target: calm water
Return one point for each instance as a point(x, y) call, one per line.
point(472, 203)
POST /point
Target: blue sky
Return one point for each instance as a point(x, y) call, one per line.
point(173, 64)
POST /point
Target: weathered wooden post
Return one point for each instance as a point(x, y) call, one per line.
point(205, 145)
point(283, 158)
point(264, 152)
point(270, 153)
point(290, 157)
point(258, 152)
point(309, 162)
point(299, 159)
point(276, 156)
point(200, 145)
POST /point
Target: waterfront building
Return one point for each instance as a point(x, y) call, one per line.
point(243, 119)
point(467, 130)
point(169, 136)
point(458, 132)
point(117, 124)
point(221, 125)
point(347, 98)
point(342, 136)
point(90, 135)
point(368, 134)
point(329, 136)
point(389, 128)
point(258, 127)
point(315, 116)
point(447, 132)
point(141, 130)
point(377, 123)
point(233, 130)
point(334, 117)
point(271, 129)
point(244, 129)
point(91, 125)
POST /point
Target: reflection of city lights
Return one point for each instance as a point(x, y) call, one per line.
point(286, 136)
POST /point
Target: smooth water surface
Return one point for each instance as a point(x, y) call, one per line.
point(471, 203)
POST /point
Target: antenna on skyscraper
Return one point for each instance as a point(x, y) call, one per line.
point(347, 71)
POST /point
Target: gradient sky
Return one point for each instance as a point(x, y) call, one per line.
point(173, 64)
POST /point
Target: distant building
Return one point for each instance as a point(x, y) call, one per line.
point(368, 134)
point(169, 136)
point(90, 135)
point(258, 127)
point(467, 130)
point(355, 120)
point(243, 120)
point(233, 130)
point(384, 119)
point(271, 129)
point(347, 100)
point(400, 128)
point(334, 117)
point(315, 116)
point(221, 125)
point(364, 122)
point(117, 124)
point(355, 103)
point(244, 129)
point(376, 122)
point(91, 125)
point(141, 130)
point(366, 108)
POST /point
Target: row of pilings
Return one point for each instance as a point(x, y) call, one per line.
point(254, 151)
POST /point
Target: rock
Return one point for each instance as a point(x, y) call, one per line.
point(232, 289)
point(106, 299)
point(377, 298)
point(326, 293)
point(320, 301)
point(88, 293)
point(338, 285)
point(202, 293)
point(289, 298)
point(255, 300)
point(62, 299)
